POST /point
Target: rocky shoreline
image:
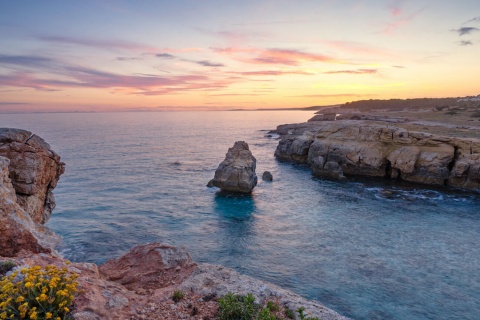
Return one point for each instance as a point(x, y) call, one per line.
point(138, 285)
point(336, 146)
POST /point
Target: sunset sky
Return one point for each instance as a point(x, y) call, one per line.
point(181, 55)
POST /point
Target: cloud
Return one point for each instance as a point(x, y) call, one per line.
point(395, 7)
point(465, 30)
point(357, 71)
point(476, 19)
point(337, 95)
point(288, 57)
point(101, 43)
point(165, 55)
point(466, 43)
point(128, 58)
point(207, 63)
point(400, 19)
point(271, 73)
point(25, 61)
point(5, 103)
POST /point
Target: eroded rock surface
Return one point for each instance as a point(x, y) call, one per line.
point(139, 285)
point(34, 171)
point(335, 149)
point(150, 266)
point(18, 232)
point(237, 172)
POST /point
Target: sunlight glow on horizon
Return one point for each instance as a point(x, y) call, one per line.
point(113, 56)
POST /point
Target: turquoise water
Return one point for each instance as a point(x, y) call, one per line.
point(367, 249)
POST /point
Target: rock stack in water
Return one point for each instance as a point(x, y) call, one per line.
point(237, 172)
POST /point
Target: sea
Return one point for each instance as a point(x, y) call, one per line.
point(369, 249)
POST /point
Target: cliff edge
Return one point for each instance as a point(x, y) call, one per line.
point(357, 145)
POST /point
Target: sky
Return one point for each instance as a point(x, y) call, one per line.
point(107, 55)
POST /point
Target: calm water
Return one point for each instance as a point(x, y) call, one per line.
point(370, 250)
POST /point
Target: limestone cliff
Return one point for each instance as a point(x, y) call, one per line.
point(335, 149)
point(18, 232)
point(34, 170)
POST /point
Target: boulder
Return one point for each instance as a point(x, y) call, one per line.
point(237, 172)
point(19, 234)
point(34, 171)
point(267, 176)
point(149, 266)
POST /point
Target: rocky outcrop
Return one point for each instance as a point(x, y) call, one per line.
point(335, 149)
point(160, 267)
point(210, 279)
point(237, 172)
point(34, 170)
point(139, 285)
point(18, 232)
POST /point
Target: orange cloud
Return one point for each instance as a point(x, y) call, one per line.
point(357, 71)
point(271, 73)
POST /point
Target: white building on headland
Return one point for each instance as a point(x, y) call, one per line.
point(473, 98)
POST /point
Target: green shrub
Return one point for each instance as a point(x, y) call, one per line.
point(237, 307)
point(177, 296)
point(289, 313)
point(36, 293)
point(272, 306)
point(303, 316)
point(6, 266)
point(266, 314)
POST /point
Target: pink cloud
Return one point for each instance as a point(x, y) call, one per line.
point(400, 19)
point(357, 71)
point(395, 7)
point(271, 73)
point(289, 57)
point(89, 78)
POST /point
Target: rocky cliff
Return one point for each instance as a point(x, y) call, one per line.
point(18, 232)
point(34, 170)
point(339, 148)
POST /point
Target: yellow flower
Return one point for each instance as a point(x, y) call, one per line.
point(28, 285)
point(3, 315)
point(48, 315)
point(20, 299)
point(66, 309)
point(33, 315)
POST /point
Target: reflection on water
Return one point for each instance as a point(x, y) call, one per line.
point(234, 206)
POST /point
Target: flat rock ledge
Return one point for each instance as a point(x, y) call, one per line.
point(336, 149)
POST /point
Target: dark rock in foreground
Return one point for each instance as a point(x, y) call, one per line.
point(237, 172)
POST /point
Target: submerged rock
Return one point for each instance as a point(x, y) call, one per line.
point(34, 170)
point(237, 172)
point(267, 176)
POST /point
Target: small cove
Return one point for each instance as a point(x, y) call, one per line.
point(367, 249)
